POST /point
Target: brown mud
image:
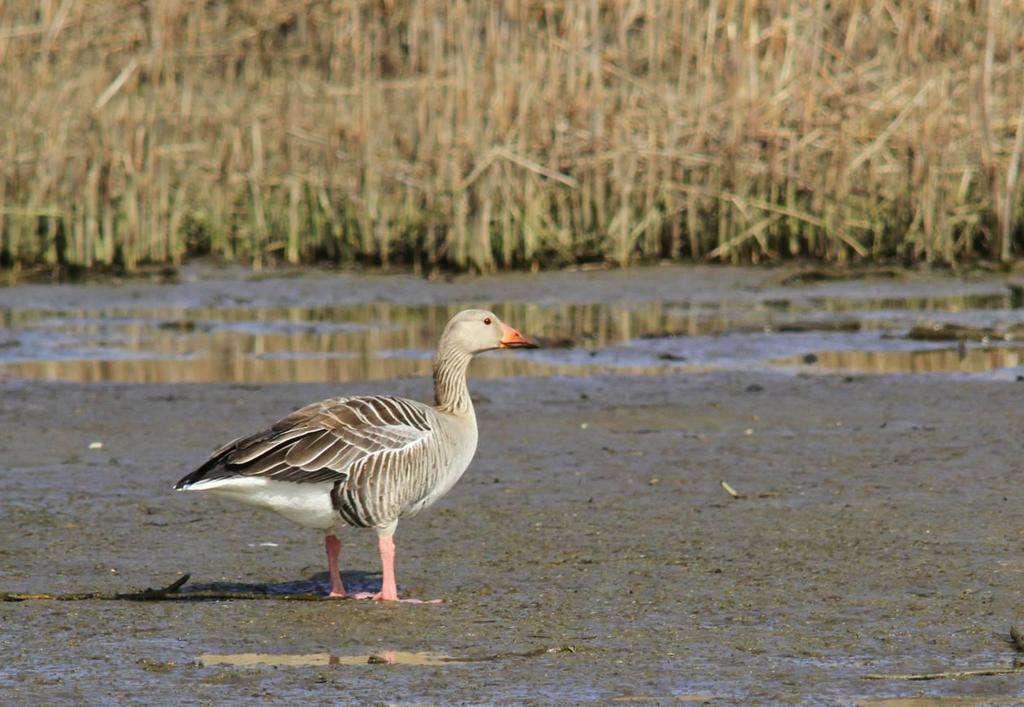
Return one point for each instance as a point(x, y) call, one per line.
point(590, 554)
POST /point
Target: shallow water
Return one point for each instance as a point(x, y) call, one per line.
point(315, 660)
point(375, 341)
point(591, 553)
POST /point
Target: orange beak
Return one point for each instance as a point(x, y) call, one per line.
point(512, 339)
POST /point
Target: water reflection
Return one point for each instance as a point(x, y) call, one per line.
point(941, 303)
point(382, 340)
point(945, 360)
point(676, 697)
point(316, 660)
point(938, 701)
point(319, 344)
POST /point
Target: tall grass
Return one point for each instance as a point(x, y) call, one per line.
point(490, 134)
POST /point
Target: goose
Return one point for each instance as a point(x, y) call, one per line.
point(364, 461)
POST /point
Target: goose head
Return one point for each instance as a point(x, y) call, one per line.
point(476, 330)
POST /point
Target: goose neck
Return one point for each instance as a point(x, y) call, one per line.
point(451, 394)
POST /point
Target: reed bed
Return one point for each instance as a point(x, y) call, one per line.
point(487, 134)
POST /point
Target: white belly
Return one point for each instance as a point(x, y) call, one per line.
point(309, 505)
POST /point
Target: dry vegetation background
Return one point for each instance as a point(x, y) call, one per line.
point(490, 134)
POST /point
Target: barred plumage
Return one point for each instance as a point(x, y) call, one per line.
point(364, 461)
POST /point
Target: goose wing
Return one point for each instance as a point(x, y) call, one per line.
point(319, 442)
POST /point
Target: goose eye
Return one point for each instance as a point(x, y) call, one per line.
point(487, 320)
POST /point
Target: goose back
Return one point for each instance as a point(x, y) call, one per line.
point(381, 457)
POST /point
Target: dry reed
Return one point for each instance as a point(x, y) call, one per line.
point(489, 134)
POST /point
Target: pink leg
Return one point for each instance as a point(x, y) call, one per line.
point(389, 589)
point(333, 547)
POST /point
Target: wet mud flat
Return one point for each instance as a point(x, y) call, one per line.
point(590, 554)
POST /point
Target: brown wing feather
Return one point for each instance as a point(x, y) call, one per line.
point(319, 442)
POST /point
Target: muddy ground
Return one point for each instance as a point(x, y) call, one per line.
point(880, 531)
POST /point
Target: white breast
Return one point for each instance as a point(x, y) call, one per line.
point(462, 455)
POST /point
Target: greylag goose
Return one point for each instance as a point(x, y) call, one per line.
point(364, 461)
